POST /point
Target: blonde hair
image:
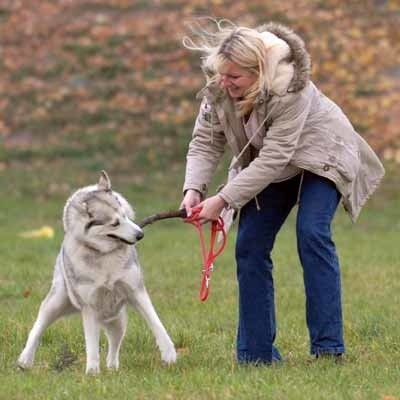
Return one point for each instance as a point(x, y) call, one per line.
point(228, 42)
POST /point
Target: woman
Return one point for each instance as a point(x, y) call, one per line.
point(291, 144)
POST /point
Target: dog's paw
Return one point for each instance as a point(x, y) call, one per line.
point(24, 362)
point(113, 365)
point(92, 370)
point(169, 355)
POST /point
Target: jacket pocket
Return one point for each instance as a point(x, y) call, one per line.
point(343, 154)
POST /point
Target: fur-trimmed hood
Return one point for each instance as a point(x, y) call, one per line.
point(299, 55)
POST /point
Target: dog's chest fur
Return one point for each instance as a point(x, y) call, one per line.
point(101, 281)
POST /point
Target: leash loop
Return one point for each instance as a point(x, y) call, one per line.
point(210, 255)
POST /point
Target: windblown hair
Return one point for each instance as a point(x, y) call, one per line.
point(228, 42)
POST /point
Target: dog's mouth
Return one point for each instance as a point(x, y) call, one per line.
point(120, 239)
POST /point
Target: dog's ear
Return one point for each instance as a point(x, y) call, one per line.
point(104, 182)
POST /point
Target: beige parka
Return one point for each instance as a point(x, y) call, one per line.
point(301, 127)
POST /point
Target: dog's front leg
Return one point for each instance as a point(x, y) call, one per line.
point(91, 327)
point(141, 301)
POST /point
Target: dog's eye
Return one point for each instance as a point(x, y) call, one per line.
point(115, 223)
point(91, 223)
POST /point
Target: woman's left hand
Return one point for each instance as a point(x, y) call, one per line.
point(211, 208)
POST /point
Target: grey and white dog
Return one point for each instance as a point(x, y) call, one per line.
point(97, 273)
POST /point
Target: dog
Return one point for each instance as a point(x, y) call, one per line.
point(97, 273)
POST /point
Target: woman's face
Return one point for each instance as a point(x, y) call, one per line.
point(235, 79)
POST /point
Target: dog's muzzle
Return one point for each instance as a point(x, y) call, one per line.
point(140, 235)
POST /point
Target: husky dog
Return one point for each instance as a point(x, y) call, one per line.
point(97, 273)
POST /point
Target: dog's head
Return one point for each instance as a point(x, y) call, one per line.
point(101, 218)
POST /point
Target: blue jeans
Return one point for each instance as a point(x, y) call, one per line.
point(256, 236)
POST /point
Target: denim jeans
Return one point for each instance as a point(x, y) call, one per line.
point(256, 236)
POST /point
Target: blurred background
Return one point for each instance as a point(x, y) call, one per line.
point(93, 84)
point(87, 85)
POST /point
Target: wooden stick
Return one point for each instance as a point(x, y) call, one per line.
point(162, 215)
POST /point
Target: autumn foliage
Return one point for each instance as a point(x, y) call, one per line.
point(74, 68)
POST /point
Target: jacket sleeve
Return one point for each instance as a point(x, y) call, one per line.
point(279, 145)
point(205, 149)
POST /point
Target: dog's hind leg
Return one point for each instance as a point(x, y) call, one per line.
point(55, 305)
point(141, 301)
point(91, 327)
point(115, 332)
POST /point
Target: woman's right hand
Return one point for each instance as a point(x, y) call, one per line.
point(192, 199)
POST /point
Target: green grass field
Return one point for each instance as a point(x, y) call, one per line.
point(204, 333)
point(105, 84)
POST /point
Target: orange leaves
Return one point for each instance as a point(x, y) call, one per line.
point(130, 102)
point(122, 64)
point(175, 115)
point(4, 130)
point(32, 83)
point(102, 33)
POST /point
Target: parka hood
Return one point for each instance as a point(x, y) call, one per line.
point(299, 55)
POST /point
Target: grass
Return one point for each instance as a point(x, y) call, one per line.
point(79, 131)
point(204, 333)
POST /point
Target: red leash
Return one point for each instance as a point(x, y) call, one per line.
point(210, 255)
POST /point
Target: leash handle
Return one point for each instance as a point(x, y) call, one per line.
point(210, 255)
